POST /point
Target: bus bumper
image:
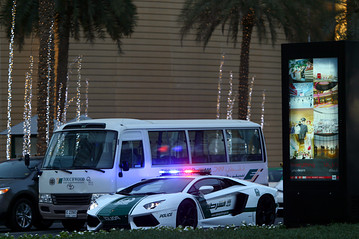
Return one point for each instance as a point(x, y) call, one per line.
point(59, 212)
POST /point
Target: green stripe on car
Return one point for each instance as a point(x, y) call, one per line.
point(120, 207)
point(250, 209)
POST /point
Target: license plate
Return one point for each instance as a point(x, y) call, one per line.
point(71, 213)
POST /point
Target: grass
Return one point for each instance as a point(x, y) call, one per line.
point(335, 231)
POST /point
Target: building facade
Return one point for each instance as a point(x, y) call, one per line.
point(156, 77)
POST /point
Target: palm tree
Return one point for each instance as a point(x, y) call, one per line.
point(94, 18)
point(348, 20)
point(298, 19)
point(45, 74)
point(71, 18)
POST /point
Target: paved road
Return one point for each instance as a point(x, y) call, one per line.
point(55, 229)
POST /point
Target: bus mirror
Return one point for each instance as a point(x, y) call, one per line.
point(124, 166)
point(27, 160)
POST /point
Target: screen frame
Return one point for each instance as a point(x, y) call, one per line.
point(310, 51)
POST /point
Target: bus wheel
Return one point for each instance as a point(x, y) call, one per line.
point(187, 214)
point(265, 213)
point(73, 224)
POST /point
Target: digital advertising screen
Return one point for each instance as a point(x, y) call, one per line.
point(313, 119)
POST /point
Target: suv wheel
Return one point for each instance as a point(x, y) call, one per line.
point(21, 215)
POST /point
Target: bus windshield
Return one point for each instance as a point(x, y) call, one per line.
point(85, 149)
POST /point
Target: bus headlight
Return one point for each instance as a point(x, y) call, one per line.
point(45, 198)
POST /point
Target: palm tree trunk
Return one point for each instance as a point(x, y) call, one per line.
point(62, 67)
point(247, 23)
point(45, 20)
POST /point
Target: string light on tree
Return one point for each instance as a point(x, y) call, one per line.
point(28, 109)
point(66, 102)
point(230, 99)
point(27, 129)
point(249, 107)
point(78, 89)
point(58, 112)
point(49, 70)
point(9, 91)
point(67, 105)
point(65, 92)
point(219, 87)
point(87, 98)
point(263, 101)
point(66, 95)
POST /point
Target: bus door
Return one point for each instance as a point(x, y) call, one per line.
point(132, 158)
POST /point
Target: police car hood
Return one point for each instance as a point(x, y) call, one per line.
point(119, 204)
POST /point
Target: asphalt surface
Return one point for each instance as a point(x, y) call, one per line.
point(55, 229)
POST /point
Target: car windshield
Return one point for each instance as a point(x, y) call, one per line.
point(14, 169)
point(81, 149)
point(157, 186)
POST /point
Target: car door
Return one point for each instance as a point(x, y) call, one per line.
point(218, 205)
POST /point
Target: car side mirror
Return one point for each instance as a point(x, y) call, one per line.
point(124, 166)
point(206, 189)
point(27, 160)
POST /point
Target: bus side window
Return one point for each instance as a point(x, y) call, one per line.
point(207, 146)
point(132, 153)
point(243, 145)
point(168, 147)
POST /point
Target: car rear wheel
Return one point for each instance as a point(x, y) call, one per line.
point(73, 224)
point(265, 213)
point(187, 214)
point(21, 215)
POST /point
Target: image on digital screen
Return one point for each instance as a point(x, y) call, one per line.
point(313, 119)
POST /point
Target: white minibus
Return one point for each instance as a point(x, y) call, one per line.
point(86, 159)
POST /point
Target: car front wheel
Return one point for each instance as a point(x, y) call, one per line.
point(187, 214)
point(21, 215)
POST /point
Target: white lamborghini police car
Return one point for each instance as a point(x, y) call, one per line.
point(172, 201)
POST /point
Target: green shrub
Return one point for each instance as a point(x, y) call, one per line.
point(335, 231)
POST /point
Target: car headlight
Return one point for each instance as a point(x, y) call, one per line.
point(95, 196)
point(4, 190)
point(152, 205)
point(93, 205)
point(45, 198)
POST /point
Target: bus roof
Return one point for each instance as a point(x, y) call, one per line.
point(118, 123)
